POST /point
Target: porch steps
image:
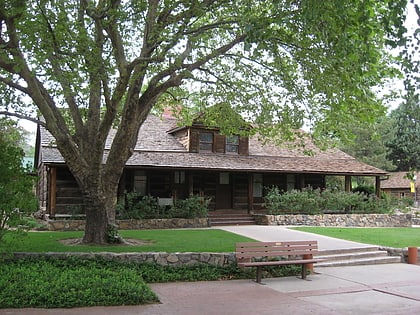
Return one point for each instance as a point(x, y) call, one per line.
point(223, 218)
point(355, 257)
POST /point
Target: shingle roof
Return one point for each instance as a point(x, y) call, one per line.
point(398, 180)
point(156, 148)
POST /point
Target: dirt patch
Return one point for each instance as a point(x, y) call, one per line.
point(126, 241)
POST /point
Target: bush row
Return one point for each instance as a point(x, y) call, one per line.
point(134, 206)
point(316, 201)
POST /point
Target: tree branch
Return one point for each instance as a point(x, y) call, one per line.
point(65, 85)
point(14, 85)
point(21, 116)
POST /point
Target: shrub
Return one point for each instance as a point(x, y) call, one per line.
point(135, 206)
point(192, 207)
point(313, 201)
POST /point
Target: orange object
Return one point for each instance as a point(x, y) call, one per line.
point(412, 255)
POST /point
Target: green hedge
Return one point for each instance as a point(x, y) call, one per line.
point(315, 201)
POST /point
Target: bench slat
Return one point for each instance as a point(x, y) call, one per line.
point(275, 254)
point(265, 248)
point(280, 262)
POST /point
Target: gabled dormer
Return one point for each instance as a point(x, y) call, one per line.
point(199, 139)
point(216, 131)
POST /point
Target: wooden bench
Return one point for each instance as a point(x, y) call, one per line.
point(260, 254)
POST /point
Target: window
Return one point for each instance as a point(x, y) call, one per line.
point(206, 141)
point(140, 181)
point(291, 180)
point(179, 177)
point(224, 178)
point(258, 185)
point(232, 144)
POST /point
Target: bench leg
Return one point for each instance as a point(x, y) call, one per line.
point(259, 274)
point(304, 271)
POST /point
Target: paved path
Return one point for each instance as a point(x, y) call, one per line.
point(281, 233)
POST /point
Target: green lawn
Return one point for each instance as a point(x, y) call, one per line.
point(392, 237)
point(195, 240)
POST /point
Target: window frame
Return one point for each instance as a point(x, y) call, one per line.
point(230, 144)
point(205, 142)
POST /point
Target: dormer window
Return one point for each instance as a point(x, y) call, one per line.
point(232, 144)
point(206, 142)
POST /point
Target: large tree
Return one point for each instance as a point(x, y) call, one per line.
point(109, 62)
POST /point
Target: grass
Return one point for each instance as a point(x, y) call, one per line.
point(195, 240)
point(391, 237)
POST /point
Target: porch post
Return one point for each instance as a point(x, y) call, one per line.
point(190, 183)
point(52, 198)
point(347, 183)
point(250, 192)
point(301, 181)
point(378, 186)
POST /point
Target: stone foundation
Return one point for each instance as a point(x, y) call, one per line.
point(339, 220)
point(79, 225)
point(164, 259)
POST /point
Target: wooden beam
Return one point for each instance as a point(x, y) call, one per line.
point(190, 183)
point(378, 186)
point(347, 183)
point(52, 191)
point(250, 192)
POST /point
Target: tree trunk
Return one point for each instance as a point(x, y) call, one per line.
point(100, 225)
point(97, 225)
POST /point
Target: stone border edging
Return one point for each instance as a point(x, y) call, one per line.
point(146, 224)
point(339, 220)
point(161, 258)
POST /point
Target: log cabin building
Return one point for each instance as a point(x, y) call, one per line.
point(172, 162)
point(398, 185)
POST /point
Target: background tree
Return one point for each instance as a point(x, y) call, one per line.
point(404, 146)
point(16, 186)
point(109, 62)
point(369, 145)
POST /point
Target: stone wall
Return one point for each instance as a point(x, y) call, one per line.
point(344, 220)
point(165, 259)
point(79, 225)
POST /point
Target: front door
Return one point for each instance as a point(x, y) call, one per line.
point(223, 192)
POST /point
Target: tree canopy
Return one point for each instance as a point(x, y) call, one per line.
point(109, 62)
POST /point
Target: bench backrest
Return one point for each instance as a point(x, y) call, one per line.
point(247, 251)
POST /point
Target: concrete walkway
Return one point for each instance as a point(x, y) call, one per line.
point(374, 289)
point(281, 233)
